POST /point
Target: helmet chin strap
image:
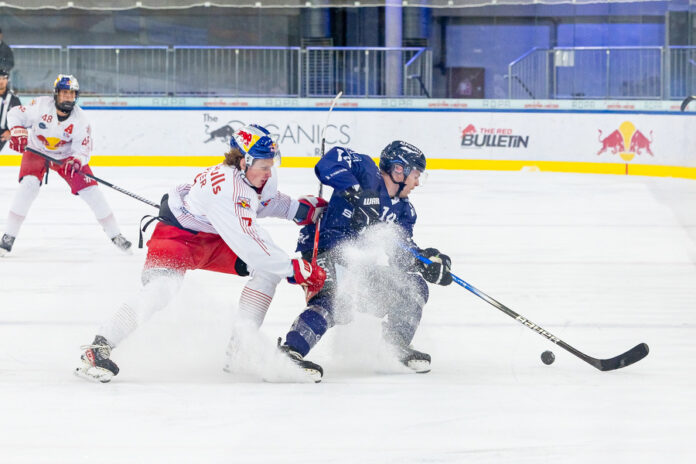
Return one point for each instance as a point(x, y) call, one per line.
point(400, 184)
point(244, 177)
point(248, 182)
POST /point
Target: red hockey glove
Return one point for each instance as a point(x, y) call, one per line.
point(311, 208)
point(19, 137)
point(72, 166)
point(307, 275)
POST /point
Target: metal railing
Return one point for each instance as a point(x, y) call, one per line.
point(604, 73)
point(222, 71)
point(363, 71)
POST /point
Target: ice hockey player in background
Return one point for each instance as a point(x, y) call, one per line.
point(212, 224)
point(58, 128)
point(363, 196)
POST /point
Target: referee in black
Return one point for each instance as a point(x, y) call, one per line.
point(7, 100)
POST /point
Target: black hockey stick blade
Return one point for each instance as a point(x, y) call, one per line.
point(632, 356)
point(686, 102)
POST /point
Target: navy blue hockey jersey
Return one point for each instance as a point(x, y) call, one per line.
point(341, 168)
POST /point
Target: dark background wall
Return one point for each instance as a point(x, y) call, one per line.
point(485, 38)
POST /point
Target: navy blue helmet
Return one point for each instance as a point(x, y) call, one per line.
point(404, 154)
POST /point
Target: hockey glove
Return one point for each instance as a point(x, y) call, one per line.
point(310, 209)
point(365, 205)
point(437, 272)
point(72, 166)
point(307, 275)
point(19, 137)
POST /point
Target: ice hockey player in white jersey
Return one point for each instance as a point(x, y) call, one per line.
point(212, 224)
point(55, 126)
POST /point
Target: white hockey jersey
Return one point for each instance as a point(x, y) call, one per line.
point(57, 139)
point(220, 202)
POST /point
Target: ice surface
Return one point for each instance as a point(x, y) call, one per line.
point(603, 262)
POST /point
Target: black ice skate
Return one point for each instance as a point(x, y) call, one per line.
point(313, 370)
point(414, 359)
point(96, 364)
point(122, 243)
point(6, 243)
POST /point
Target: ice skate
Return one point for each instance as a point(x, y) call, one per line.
point(6, 243)
point(313, 370)
point(413, 359)
point(96, 364)
point(122, 244)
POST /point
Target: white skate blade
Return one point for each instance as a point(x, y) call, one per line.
point(3, 252)
point(93, 373)
point(418, 366)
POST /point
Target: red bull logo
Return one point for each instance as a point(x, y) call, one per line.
point(246, 139)
point(51, 143)
point(627, 141)
point(244, 202)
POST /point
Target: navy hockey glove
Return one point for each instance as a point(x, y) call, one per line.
point(365, 205)
point(437, 272)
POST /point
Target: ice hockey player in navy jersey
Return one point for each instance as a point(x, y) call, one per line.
point(365, 196)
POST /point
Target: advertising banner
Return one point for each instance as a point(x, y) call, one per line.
point(462, 139)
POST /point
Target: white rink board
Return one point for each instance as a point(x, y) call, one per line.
point(548, 136)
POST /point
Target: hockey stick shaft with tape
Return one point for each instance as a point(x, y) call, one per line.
point(321, 186)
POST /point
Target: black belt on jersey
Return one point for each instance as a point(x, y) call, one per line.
point(165, 215)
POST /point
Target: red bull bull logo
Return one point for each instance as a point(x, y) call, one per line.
point(246, 139)
point(627, 141)
point(51, 143)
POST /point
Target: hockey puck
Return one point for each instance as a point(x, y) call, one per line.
point(547, 357)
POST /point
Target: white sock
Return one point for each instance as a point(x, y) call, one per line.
point(256, 298)
point(24, 196)
point(101, 209)
point(140, 307)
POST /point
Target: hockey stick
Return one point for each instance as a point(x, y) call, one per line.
point(321, 186)
point(631, 356)
point(317, 225)
point(686, 102)
point(101, 181)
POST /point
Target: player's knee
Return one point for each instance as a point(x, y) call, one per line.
point(420, 288)
point(87, 190)
point(261, 280)
point(153, 274)
point(30, 183)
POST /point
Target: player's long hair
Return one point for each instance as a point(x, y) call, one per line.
point(233, 157)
